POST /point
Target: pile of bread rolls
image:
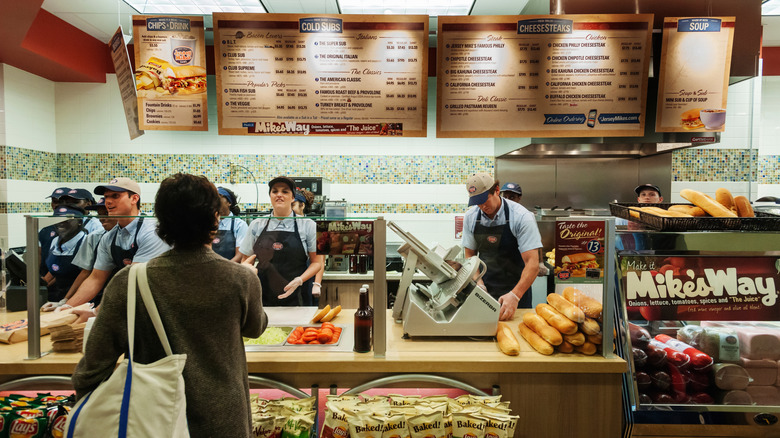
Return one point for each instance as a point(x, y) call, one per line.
point(724, 205)
point(569, 322)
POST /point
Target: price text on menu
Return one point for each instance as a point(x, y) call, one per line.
point(531, 76)
point(286, 74)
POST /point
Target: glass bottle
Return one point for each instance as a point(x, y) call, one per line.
point(364, 321)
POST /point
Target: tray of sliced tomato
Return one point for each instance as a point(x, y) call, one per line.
point(323, 334)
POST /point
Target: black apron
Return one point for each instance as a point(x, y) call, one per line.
point(45, 236)
point(63, 270)
point(121, 257)
point(224, 242)
point(497, 247)
point(280, 258)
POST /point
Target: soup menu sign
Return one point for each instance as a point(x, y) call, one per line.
point(694, 79)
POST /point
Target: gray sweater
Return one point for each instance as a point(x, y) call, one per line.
point(206, 304)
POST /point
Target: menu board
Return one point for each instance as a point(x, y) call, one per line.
point(694, 79)
point(542, 76)
point(290, 74)
point(579, 251)
point(345, 237)
point(124, 76)
point(170, 76)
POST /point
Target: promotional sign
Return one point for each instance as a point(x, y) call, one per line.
point(170, 75)
point(579, 251)
point(702, 288)
point(694, 79)
point(124, 76)
point(345, 237)
point(542, 76)
point(288, 74)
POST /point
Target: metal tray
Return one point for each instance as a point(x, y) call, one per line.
point(305, 326)
point(287, 328)
point(762, 222)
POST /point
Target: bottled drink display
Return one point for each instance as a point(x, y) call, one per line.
point(364, 321)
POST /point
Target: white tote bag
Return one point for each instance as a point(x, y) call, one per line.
point(137, 400)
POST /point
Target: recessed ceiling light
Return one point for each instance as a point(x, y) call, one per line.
point(194, 7)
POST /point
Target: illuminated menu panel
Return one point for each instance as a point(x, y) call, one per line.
point(289, 74)
point(694, 79)
point(542, 76)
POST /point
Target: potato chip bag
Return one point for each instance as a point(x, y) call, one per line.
point(335, 423)
point(263, 426)
point(468, 425)
point(396, 427)
point(366, 426)
point(427, 426)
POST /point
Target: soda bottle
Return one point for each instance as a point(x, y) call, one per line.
point(364, 321)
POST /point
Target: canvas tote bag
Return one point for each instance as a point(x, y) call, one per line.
point(137, 400)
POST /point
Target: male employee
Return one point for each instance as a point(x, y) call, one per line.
point(512, 191)
point(504, 235)
point(648, 194)
point(82, 198)
point(132, 240)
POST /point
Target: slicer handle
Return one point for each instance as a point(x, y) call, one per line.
point(481, 271)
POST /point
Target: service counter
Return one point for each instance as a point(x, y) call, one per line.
point(567, 395)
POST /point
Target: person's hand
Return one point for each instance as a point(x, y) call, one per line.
point(249, 263)
point(543, 270)
point(508, 303)
point(291, 287)
point(83, 315)
point(51, 305)
point(316, 289)
point(63, 307)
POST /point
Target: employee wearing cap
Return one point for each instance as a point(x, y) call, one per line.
point(82, 198)
point(504, 235)
point(313, 286)
point(64, 246)
point(46, 235)
point(648, 194)
point(132, 240)
point(285, 248)
point(512, 191)
point(231, 228)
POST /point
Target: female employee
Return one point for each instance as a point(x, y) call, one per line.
point(231, 229)
point(283, 246)
point(312, 287)
point(64, 246)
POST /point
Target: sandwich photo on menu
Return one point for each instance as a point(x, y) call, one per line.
point(691, 119)
point(579, 263)
point(157, 77)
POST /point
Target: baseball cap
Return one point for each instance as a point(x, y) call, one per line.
point(478, 185)
point(99, 205)
point(59, 192)
point(512, 187)
point(299, 197)
point(223, 192)
point(81, 194)
point(639, 189)
point(68, 211)
point(284, 180)
point(120, 184)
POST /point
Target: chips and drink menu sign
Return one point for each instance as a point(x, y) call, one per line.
point(170, 61)
point(542, 76)
point(694, 77)
point(125, 78)
point(579, 251)
point(303, 74)
point(702, 288)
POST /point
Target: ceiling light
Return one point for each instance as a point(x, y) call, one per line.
point(428, 7)
point(770, 7)
point(195, 7)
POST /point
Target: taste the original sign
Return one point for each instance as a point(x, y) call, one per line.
point(701, 288)
point(579, 251)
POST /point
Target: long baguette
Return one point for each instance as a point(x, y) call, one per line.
point(706, 203)
point(507, 342)
point(535, 340)
point(540, 326)
point(556, 319)
point(744, 209)
point(564, 306)
point(591, 307)
point(658, 211)
point(724, 198)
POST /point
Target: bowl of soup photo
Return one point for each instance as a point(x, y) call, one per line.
point(713, 118)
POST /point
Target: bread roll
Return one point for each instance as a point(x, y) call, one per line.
point(587, 348)
point(576, 339)
point(724, 198)
point(535, 340)
point(556, 319)
point(540, 326)
point(564, 306)
point(706, 203)
point(658, 211)
point(590, 327)
point(697, 212)
point(744, 209)
point(595, 339)
point(592, 308)
point(681, 208)
point(507, 342)
point(566, 347)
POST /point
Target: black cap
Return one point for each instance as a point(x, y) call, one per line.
point(82, 194)
point(639, 189)
point(283, 180)
point(59, 192)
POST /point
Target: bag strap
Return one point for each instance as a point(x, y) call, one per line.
point(139, 277)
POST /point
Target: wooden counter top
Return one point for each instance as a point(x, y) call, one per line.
point(419, 355)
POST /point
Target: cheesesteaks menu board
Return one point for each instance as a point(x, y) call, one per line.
point(694, 78)
point(290, 74)
point(542, 76)
point(170, 75)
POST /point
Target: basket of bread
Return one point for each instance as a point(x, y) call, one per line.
point(723, 212)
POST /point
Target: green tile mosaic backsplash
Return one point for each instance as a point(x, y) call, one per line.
point(730, 165)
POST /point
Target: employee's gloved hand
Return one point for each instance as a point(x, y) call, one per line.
point(51, 305)
point(290, 288)
point(63, 307)
point(316, 289)
point(508, 303)
point(543, 271)
point(249, 263)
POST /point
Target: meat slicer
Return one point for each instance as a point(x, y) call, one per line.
point(453, 304)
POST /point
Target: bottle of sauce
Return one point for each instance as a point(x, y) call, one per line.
point(364, 321)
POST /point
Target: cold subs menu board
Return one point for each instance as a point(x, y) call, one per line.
point(542, 76)
point(694, 79)
point(170, 75)
point(289, 74)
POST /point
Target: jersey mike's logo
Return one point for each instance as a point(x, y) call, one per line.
point(492, 239)
point(277, 246)
point(55, 267)
point(216, 240)
point(127, 261)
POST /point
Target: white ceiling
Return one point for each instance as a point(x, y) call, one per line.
point(100, 18)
